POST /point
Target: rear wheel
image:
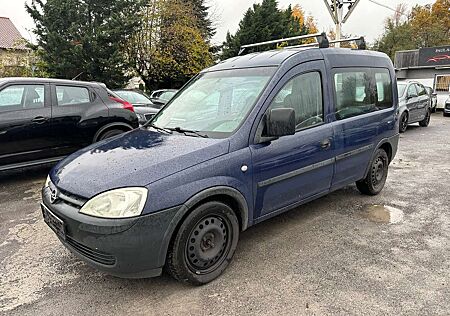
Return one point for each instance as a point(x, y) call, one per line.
point(204, 244)
point(426, 121)
point(110, 133)
point(377, 175)
point(403, 122)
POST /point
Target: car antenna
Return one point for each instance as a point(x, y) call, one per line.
point(75, 78)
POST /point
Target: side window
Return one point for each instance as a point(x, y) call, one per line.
point(421, 90)
point(21, 97)
point(304, 94)
point(384, 89)
point(355, 93)
point(67, 95)
point(412, 91)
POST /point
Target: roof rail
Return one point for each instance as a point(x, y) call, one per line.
point(360, 42)
point(321, 38)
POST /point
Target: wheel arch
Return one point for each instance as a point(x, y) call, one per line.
point(119, 125)
point(224, 194)
point(389, 145)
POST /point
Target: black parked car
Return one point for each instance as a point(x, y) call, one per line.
point(433, 98)
point(414, 104)
point(144, 108)
point(43, 120)
point(161, 97)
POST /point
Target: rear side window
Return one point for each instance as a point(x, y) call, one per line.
point(361, 90)
point(383, 81)
point(67, 95)
point(22, 97)
point(303, 94)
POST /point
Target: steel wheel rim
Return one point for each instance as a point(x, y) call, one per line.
point(404, 122)
point(208, 244)
point(378, 171)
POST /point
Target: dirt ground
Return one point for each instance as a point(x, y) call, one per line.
point(343, 254)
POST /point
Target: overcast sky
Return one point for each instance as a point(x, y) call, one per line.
point(366, 20)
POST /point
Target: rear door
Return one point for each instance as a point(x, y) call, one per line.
point(423, 102)
point(297, 167)
point(412, 103)
point(364, 112)
point(25, 114)
point(77, 113)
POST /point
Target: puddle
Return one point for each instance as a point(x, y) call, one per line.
point(383, 214)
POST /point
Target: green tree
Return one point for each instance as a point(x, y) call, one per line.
point(424, 26)
point(202, 15)
point(264, 22)
point(169, 48)
point(84, 38)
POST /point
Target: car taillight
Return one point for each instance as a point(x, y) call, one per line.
point(126, 105)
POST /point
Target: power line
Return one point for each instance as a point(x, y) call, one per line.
point(388, 7)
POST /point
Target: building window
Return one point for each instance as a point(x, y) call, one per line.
point(442, 83)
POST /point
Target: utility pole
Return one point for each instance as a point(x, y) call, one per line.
point(336, 10)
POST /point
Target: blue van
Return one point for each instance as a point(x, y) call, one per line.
point(243, 141)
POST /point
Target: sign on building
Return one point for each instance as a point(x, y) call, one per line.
point(434, 56)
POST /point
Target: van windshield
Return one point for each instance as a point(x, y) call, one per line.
point(215, 103)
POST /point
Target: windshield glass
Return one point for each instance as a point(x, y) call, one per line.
point(133, 97)
point(401, 89)
point(215, 103)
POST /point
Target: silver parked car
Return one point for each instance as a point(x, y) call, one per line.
point(414, 104)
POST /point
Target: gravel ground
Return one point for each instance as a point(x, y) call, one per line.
point(343, 254)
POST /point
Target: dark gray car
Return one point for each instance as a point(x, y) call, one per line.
point(414, 104)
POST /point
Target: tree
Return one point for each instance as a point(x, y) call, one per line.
point(169, 48)
point(84, 38)
point(424, 26)
point(204, 23)
point(264, 22)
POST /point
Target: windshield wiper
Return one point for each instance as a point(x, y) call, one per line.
point(161, 129)
point(186, 131)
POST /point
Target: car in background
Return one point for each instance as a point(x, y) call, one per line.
point(144, 108)
point(447, 107)
point(433, 98)
point(44, 120)
point(414, 104)
point(161, 97)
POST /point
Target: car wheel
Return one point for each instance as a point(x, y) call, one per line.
point(426, 121)
point(403, 122)
point(433, 110)
point(377, 175)
point(110, 133)
point(204, 245)
point(446, 114)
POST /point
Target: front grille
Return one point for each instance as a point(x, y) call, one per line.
point(71, 199)
point(92, 254)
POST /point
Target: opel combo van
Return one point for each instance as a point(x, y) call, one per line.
point(243, 141)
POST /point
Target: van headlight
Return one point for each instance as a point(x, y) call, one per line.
point(118, 203)
point(47, 182)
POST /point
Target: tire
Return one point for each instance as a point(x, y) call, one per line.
point(426, 121)
point(377, 175)
point(204, 245)
point(446, 114)
point(403, 122)
point(110, 133)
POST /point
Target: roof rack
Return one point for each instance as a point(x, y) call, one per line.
point(322, 42)
point(321, 38)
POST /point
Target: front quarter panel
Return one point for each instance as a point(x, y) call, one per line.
point(223, 171)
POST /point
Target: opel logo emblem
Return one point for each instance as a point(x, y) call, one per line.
point(53, 196)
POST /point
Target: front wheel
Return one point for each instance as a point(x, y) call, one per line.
point(204, 244)
point(426, 121)
point(377, 175)
point(403, 122)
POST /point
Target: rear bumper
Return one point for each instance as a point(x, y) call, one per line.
point(127, 248)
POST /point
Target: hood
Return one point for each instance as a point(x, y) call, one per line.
point(136, 158)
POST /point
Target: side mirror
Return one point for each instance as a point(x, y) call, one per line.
point(279, 123)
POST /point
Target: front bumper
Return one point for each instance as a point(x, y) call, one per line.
point(127, 248)
point(447, 108)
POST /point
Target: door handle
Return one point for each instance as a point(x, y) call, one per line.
point(325, 144)
point(39, 120)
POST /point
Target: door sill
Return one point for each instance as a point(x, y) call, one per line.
point(30, 163)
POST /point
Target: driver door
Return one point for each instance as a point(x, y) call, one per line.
point(293, 168)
